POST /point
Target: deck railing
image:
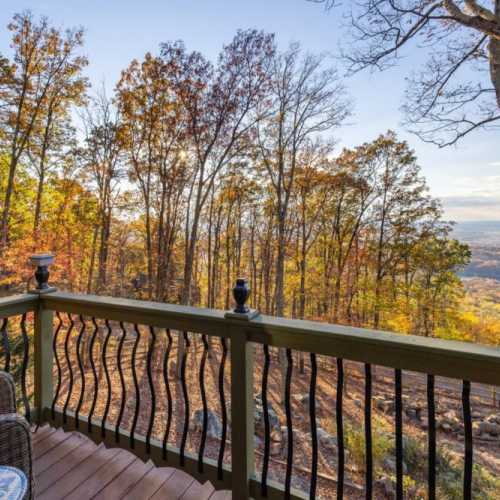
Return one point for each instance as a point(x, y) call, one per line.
point(105, 366)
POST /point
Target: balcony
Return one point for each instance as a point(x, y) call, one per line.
point(157, 391)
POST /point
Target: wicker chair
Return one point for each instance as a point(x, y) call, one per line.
point(15, 435)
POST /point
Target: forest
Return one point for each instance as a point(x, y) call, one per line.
point(195, 172)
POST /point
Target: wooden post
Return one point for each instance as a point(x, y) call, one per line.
point(242, 403)
point(44, 320)
point(43, 360)
point(242, 413)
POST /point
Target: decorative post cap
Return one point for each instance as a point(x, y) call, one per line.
point(42, 261)
point(241, 292)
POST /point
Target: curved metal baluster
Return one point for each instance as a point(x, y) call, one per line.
point(204, 403)
point(288, 411)
point(186, 400)
point(340, 429)
point(94, 372)
point(222, 399)
point(58, 364)
point(82, 371)
point(68, 362)
point(431, 437)
point(136, 386)
point(169, 394)
point(368, 432)
point(399, 433)
point(26, 350)
point(314, 430)
point(265, 415)
point(122, 382)
point(108, 380)
point(151, 388)
point(6, 344)
point(468, 452)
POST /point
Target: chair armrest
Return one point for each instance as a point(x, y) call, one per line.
point(7, 393)
point(15, 447)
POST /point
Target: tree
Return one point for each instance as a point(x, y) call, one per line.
point(458, 89)
point(43, 58)
point(220, 104)
point(153, 133)
point(101, 158)
point(305, 100)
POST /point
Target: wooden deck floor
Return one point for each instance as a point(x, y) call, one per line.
point(69, 465)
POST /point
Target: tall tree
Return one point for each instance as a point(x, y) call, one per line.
point(43, 57)
point(305, 100)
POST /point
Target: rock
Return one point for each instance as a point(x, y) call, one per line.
point(327, 440)
point(476, 415)
point(414, 413)
point(214, 425)
point(493, 419)
point(446, 427)
point(384, 404)
point(388, 486)
point(389, 465)
point(275, 448)
point(489, 428)
point(274, 422)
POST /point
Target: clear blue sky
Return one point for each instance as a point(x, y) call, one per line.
point(466, 177)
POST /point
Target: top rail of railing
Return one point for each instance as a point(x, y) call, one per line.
point(460, 360)
point(17, 304)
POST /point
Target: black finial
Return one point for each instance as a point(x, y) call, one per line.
point(42, 262)
point(241, 292)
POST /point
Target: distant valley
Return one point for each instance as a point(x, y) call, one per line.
point(483, 237)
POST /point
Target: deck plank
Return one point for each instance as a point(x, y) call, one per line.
point(103, 476)
point(175, 486)
point(70, 465)
point(75, 477)
point(49, 443)
point(57, 453)
point(198, 491)
point(149, 484)
point(125, 481)
point(63, 466)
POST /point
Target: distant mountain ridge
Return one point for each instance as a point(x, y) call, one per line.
point(483, 237)
point(478, 232)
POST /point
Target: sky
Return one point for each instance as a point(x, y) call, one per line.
point(465, 177)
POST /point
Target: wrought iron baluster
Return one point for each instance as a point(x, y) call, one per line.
point(340, 429)
point(151, 388)
point(468, 452)
point(24, 370)
point(82, 371)
point(222, 399)
point(136, 386)
point(368, 432)
point(70, 369)
point(265, 416)
point(122, 382)
point(431, 438)
point(314, 430)
point(6, 344)
point(169, 393)
point(108, 379)
point(204, 403)
point(288, 412)
point(94, 373)
point(58, 364)
point(186, 400)
point(399, 432)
